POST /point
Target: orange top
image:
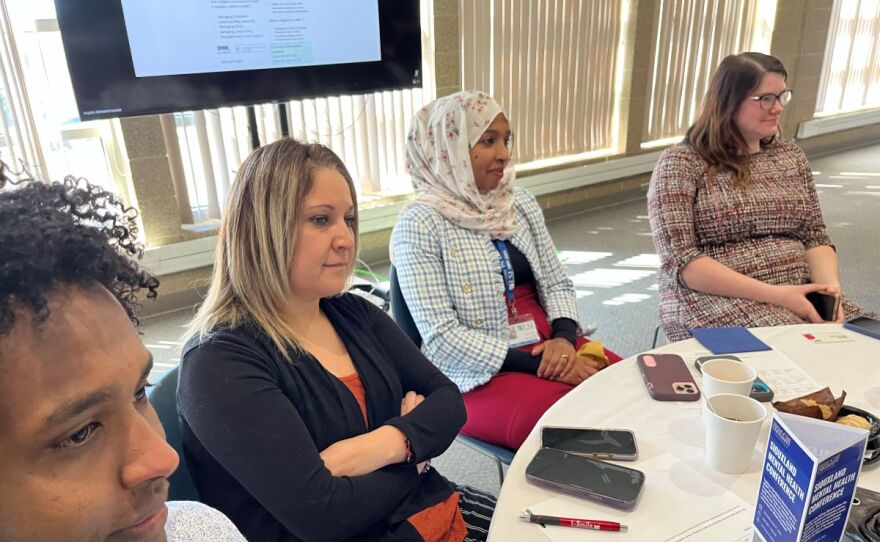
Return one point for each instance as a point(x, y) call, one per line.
point(356, 387)
point(439, 523)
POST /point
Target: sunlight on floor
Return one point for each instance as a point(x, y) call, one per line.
point(641, 260)
point(609, 278)
point(579, 257)
point(626, 298)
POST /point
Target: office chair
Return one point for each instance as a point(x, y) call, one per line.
point(400, 312)
point(657, 331)
point(163, 397)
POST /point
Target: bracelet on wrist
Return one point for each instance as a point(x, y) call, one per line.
point(410, 457)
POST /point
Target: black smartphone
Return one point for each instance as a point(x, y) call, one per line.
point(760, 390)
point(825, 304)
point(864, 325)
point(588, 478)
point(596, 443)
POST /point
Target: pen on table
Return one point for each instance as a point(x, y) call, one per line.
point(593, 524)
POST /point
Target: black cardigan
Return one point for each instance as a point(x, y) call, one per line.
point(254, 423)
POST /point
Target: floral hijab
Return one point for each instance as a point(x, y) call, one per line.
point(439, 163)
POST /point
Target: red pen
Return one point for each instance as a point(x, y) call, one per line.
point(593, 524)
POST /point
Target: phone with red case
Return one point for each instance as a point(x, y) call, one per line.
point(667, 377)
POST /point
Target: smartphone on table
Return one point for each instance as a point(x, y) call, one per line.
point(826, 305)
point(587, 478)
point(864, 325)
point(760, 390)
point(617, 444)
point(667, 377)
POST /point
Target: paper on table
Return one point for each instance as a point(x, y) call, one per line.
point(785, 378)
point(702, 510)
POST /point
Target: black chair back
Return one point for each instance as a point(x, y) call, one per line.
point(400, 312)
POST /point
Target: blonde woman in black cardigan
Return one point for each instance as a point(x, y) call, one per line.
point(307, 415)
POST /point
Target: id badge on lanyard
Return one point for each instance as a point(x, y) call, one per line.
point(522, 328)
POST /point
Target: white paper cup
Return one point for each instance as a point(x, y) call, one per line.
point(733, 423)
point(727, 376)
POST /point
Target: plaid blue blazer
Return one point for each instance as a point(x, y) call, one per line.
point(451, 280)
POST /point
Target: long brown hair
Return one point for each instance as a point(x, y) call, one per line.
point(255, 244)
point(714, 135)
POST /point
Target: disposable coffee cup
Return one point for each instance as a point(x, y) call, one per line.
point(726, 376)
point(733, 423)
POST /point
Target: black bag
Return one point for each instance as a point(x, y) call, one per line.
point(864, 517)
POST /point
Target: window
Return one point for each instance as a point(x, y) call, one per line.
point(691, 38)
point(851, 69)
point(40, 124)
point(368, 132)
point(554, 66)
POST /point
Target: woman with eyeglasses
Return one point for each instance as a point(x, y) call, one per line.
point(480, 275)
point(734, 213)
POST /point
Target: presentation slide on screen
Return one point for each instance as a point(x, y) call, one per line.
point(171, 37)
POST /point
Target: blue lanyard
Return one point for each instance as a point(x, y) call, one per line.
point(506, 271)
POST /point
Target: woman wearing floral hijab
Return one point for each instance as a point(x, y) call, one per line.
point(480, 275)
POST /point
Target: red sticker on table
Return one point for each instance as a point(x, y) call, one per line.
point(809, 336)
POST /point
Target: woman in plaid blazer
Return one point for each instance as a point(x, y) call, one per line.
point(474, 258)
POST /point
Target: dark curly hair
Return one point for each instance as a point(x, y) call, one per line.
point(65, 233)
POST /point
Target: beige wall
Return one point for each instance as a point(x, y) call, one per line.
point(150, 181)
point(447, 47)
point(798, 39)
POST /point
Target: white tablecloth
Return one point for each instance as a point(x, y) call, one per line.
point(671, 437)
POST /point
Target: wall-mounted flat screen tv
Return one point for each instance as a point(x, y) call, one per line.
point(139, 57)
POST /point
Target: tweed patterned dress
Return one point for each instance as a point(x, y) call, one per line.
point(762, 231)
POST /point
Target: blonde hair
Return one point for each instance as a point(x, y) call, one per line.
point(250, 282)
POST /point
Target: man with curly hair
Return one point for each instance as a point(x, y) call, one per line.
point(83, 455)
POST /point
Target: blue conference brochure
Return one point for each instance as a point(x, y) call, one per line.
point(809, 476)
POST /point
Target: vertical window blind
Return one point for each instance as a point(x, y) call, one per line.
point(20, 145)
point(368, 132)
point(40, 131)
point(552, 65)
point(691, 38)
point(850, 77)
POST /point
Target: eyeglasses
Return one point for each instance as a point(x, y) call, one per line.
point(767, 101)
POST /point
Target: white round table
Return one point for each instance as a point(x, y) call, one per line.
point(683, 498)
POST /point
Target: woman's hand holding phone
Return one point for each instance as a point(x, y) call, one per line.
point(794, 298)
point(826, 303)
